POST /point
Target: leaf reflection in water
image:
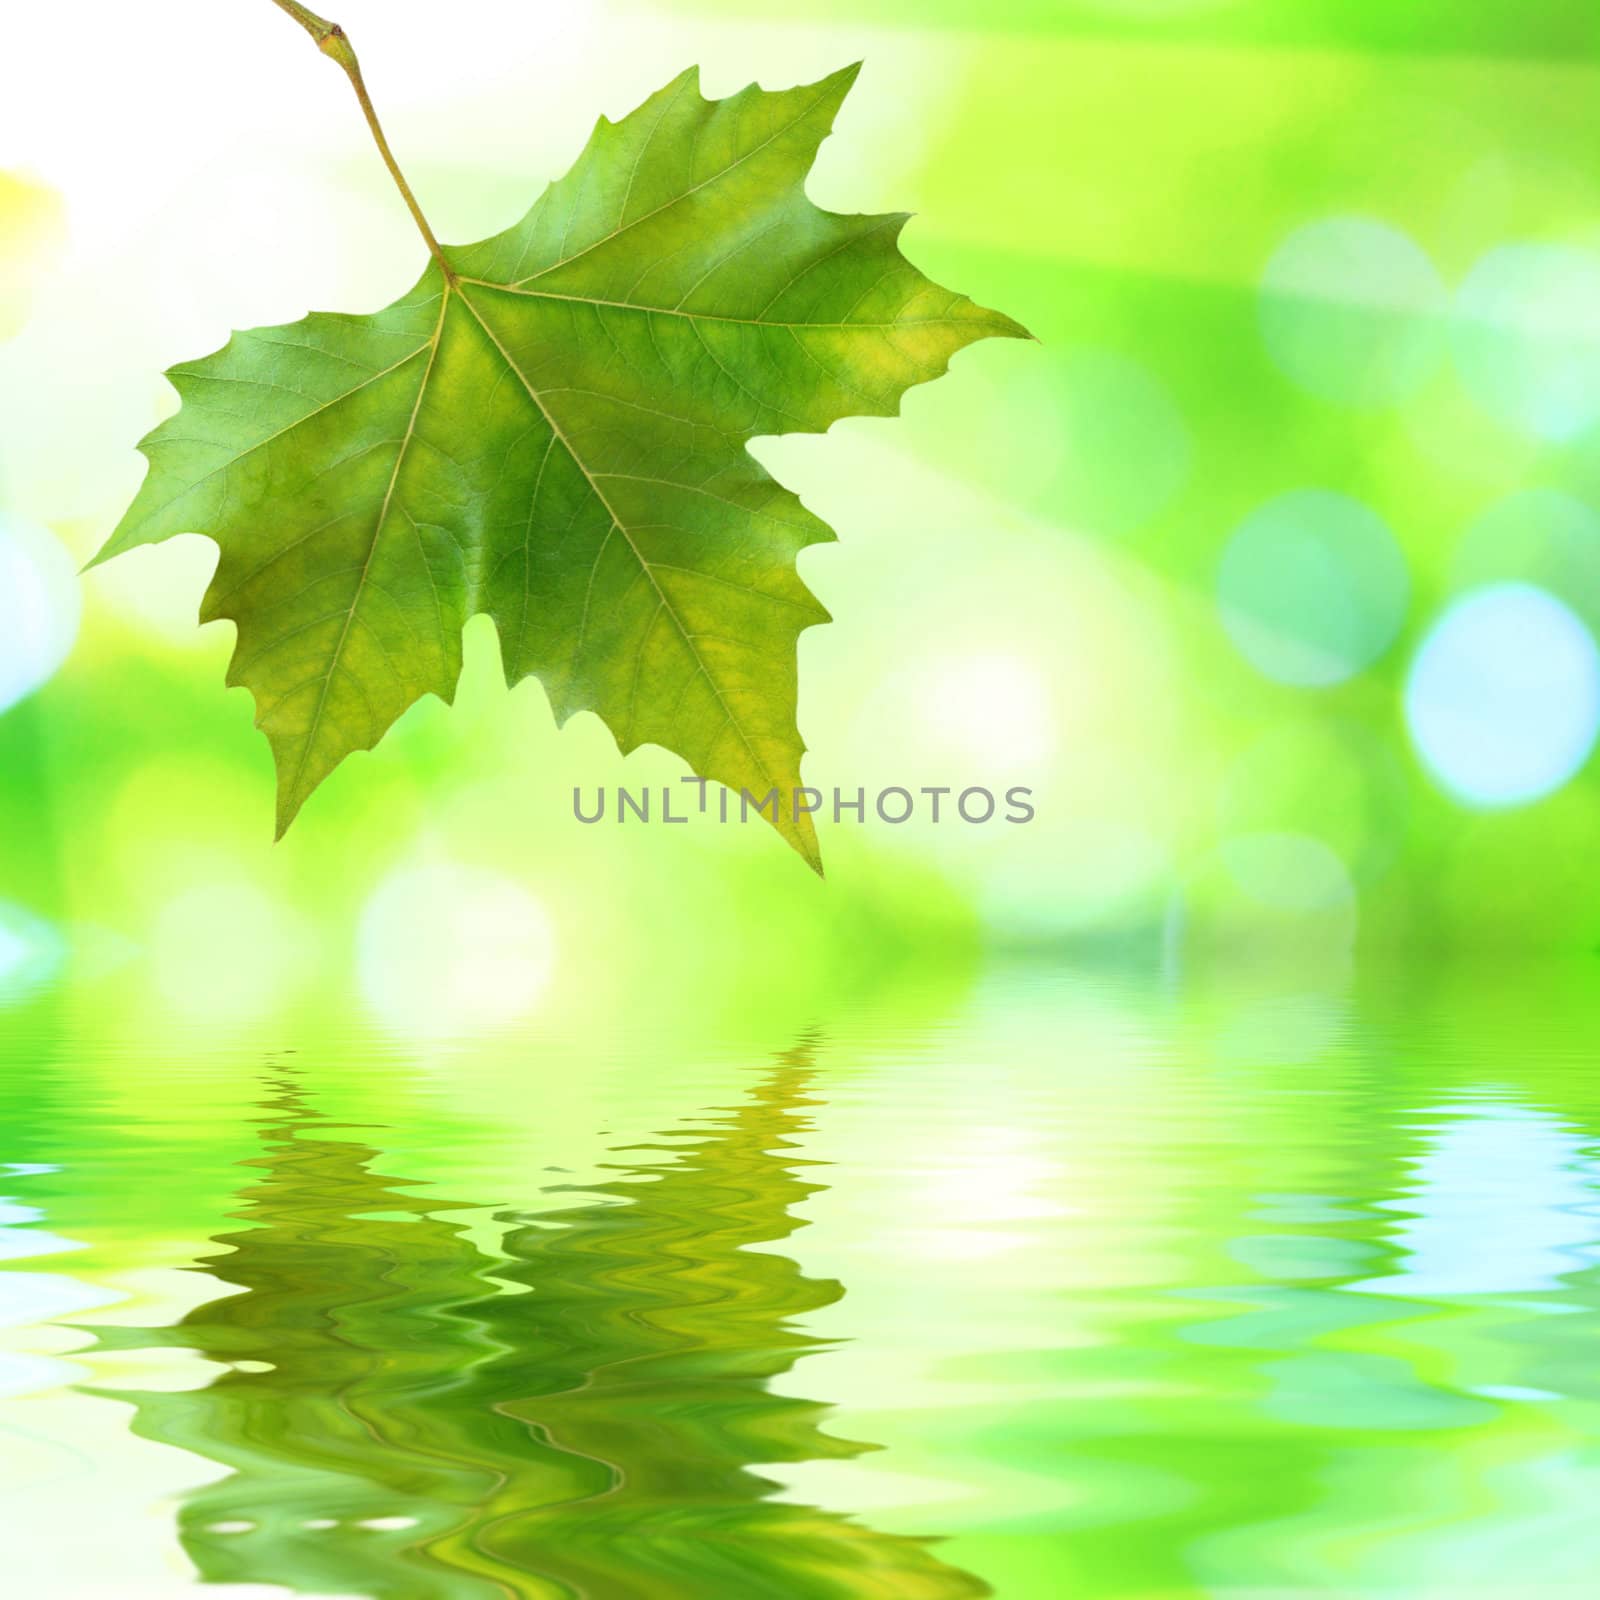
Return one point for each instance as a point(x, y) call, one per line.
point(404, 1415)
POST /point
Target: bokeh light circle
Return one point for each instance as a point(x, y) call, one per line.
point(443, 949)
point(1503, 698)
point(223, 949)
point(39, 608)
point(1544, 537)
point(1352, 310)
point(1526, 338)
point(1312, 588)
point(1287, 872)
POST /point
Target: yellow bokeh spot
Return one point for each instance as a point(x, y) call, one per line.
point(32, 231)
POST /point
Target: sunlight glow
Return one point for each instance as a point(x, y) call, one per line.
point(444, 949)
point(991, 707)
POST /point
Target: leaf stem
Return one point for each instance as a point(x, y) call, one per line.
point(333, 42)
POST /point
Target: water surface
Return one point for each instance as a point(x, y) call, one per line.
point(1065, 1285)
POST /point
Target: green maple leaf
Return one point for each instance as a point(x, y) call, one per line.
point(551, 428)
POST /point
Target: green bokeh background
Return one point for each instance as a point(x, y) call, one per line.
point(1209, 1191)
point(1345, 253)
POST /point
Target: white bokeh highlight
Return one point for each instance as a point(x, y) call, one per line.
point(992, 708)
point(1503, 698)
point(447, 949)
point(223, 949)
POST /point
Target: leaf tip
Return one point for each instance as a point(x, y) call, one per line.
point(837, 85)
point(116, 544)
point(804, 839)
point(997, 325)
point(289, 804)
point(688, 79)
